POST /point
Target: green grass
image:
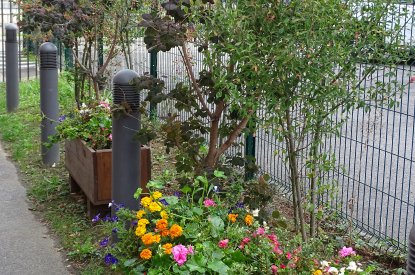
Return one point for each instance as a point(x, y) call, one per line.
point(48, 188)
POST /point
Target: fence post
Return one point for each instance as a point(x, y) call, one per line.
point(410, 264)
point(68, 58)
point(125, 148)
point(12, 68)
point(249, 155)
point(153, 72)
point(49, 105)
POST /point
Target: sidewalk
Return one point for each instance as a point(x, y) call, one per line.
point(25, 246)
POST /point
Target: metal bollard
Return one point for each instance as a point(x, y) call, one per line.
point(12, 68)
point(49, 105)
point(410, 265)
point(125, 149)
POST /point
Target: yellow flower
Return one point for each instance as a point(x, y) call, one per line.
point(140, 230)
point(145, 254)
point(232, 217)
point(154, 206)
point(175, 231)
point(156, 195)
point(163, 215)
point(167, 248)
point(317, 272)
point(249, 219)
point(142, 222)
point(147, 239)
point(140, 214)
point(162, 224)
point(146, 201)
point(156, 238)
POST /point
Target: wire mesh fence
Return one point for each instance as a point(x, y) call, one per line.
point(374, 150)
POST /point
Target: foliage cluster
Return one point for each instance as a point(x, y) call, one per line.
point(91, 123)
point(287, 66)
point(180, 234)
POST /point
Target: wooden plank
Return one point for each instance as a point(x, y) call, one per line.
point(103, 170)
point(92, 170)
point(79, 161)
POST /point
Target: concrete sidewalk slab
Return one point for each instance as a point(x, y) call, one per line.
point(25, 246)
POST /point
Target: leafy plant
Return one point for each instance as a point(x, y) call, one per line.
point(299, 61)
point(92, 124)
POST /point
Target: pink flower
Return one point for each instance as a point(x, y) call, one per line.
point(180, 254)
point(104, 104)
point(246, 240)
point(209, 203)
point(346, 251)
point(190, 249)
point(223, 243)
point(412, 79)
point(110, 137)
point(274, 269)
point(289, 255)
point(260, 231)
point(272, 238)
point(277, 250)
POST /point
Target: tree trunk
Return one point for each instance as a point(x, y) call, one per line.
point(313, 181)
point(294, 172)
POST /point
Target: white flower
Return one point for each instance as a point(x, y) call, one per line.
point(110, 204)
point(354, 267)
point(324, 264)
point(342, 270)
point(255, 212)
point(333, 270)
point(215, 188)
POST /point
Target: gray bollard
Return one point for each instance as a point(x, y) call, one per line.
point(49, 105)
point(12, 68)
point(125, 148)
point(410, 265)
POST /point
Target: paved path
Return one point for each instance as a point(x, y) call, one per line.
point(25, 246)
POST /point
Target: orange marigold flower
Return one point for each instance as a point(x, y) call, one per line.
point(156, 238)
point(165, 233)
point(145, 254)
point(147, 239)
point(146, 201)
point(175, 231)
point(249, 219)
point(167, 248)
point(232, 217)
point(161, 224)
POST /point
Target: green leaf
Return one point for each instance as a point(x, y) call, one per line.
point(197, 210)
point(137, 193)
point(238, 256)
point(276, 214)
point(171, 200)
point(155, 184)
point(202, 179)
point(219, 266)
point(193, 265)
point(217, 223)
point(130, 262)
point(186, 189)
point(219, 174)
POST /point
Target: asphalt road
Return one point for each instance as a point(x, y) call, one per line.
point(26, 248)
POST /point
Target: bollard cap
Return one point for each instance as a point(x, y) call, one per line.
point(11, 32)
point(124, 90)
point(48, 56)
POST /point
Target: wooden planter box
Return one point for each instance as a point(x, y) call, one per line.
point(91, 172)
